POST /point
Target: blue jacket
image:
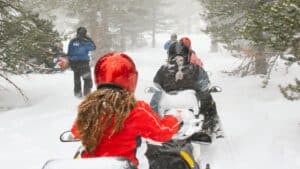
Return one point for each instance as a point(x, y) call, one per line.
point(78, 49)
point(168, 44)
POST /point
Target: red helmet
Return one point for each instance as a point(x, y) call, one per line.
point(116, 69)
point(186, 41)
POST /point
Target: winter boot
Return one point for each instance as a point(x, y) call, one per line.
point(78, 95)
point(211, 124)
point(202, 138)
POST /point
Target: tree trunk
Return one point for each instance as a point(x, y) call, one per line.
point(153, 27)
point(214, 46)
point(122, 39)
point(261, 65)
point(189, 25)
point(296, 48)
point(93, 29)
point(104, 40)
point(133, 37)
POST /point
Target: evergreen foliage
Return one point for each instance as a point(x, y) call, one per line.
point(291, 91)
point(25, 40)
point(259, 29)
point(274, 24)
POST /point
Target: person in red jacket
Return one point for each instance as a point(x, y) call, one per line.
point(193, 58)
point(110, 120)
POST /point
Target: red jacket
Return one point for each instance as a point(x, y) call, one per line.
point(194, 59)
point(142, 121)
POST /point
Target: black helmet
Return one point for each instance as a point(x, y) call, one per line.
point(173, 36)
point(81, 32)
point(178, 49)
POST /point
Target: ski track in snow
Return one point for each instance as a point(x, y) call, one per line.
point(261, 127)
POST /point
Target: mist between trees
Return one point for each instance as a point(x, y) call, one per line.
point(260, 31)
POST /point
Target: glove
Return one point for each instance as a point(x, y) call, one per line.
point(88, 39)
point(193, 127)
point(179, 76)
point(151, 90)
point(84, 38)
point(190, 124)
point(175, 113)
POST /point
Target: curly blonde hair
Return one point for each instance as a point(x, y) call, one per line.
point(100, 110)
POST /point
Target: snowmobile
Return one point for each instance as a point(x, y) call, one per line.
point(86, 163)
point(179, 153)
point(182, 152)
point(211, 127)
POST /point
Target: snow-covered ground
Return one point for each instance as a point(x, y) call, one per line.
point(262, 128)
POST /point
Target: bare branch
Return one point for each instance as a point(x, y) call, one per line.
point(20, 90)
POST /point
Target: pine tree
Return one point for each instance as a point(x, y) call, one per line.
point(275, 24)
point(259, 29)
point(25, 41)
point(291, 91)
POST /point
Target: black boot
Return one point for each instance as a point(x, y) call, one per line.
point(201, 137)
point(78, 95)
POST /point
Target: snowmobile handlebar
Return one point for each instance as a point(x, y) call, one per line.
point(67, 136)
point(187, 131)
point(213, 89)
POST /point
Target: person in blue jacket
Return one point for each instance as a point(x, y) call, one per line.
point(173, 39)
point(78, 55)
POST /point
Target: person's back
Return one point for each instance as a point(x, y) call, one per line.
point(173, 39)
point(110, 121)
point(178, 73)
point(178, 49)
point(79, 49)
point(194, 59)
point(171, 77)
point(80, 46)
point(141, 122)
point(78, 55)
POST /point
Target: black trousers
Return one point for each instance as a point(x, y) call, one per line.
point(82, 71)
point(209, 110)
